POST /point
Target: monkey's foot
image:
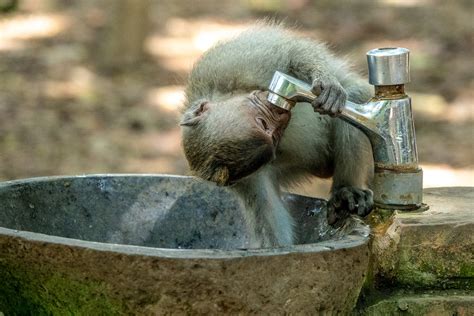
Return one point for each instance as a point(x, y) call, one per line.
point(349, 200)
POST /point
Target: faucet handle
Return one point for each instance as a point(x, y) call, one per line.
point(285, 91)
point(388, 66)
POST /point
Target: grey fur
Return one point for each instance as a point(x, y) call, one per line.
point(312, 144)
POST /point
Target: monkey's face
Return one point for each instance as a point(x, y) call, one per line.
point(227, 140)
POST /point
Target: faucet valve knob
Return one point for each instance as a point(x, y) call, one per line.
point(388, 66)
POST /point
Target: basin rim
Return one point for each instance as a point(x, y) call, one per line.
point(345, 242)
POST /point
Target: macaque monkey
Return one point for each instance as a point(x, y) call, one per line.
point(234, 137)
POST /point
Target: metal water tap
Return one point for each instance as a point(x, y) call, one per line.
point(386, 119)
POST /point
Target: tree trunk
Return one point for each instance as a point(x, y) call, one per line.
point(124, 35)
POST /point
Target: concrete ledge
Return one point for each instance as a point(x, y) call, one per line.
point(431, 249)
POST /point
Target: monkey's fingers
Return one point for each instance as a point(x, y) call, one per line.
point(331, 215)
point(361, 205)
point(349, 197)
point(331, 99)
point(327, 99)
point(319, 103)
point(339, 102)
point(335, 215)
point(317, 87)
point(366, 204)
point(349, 200)
point(332, 104)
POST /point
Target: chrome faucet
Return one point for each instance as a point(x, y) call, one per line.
point(386, 119)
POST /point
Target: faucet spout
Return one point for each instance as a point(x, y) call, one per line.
point(386, 120)
point(285, 91)
point(392, 139)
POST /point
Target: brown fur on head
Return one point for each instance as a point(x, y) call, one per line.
point(223, 141)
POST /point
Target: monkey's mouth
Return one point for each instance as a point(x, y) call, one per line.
point(256, 153)
point(276, 137)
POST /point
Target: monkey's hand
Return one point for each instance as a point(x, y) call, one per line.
point(331, 96)
point(349, 200)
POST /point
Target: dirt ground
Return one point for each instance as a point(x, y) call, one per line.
point(59, 114)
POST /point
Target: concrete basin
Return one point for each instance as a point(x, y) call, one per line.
point(157, 244)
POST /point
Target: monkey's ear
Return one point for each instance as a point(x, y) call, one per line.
point(221, 176)
point(193, 115)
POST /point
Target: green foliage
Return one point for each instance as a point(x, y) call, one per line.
point(7, 6)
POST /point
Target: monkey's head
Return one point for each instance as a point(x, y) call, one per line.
point(228, 139)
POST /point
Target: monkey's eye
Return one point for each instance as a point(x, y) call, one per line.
point(193, 116)
point(262, 124)
point(201, 108)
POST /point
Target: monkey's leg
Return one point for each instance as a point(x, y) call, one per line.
point(268, 219)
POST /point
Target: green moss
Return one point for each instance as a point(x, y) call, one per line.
point(422, 270)
point(410, 275)
point(414, 270)
point(467, 270)
point(434, 303)
point(26, 291)
point(380, 217)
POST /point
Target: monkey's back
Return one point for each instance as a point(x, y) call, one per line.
point(248, 61)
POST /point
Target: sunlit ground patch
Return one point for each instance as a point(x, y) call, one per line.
point(184, 41)
point(15, 31)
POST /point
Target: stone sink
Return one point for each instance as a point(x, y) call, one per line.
point(155, 244)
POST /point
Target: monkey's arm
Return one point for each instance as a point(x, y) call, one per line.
point(353, 171)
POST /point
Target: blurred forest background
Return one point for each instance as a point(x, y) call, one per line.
point(96, 86)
